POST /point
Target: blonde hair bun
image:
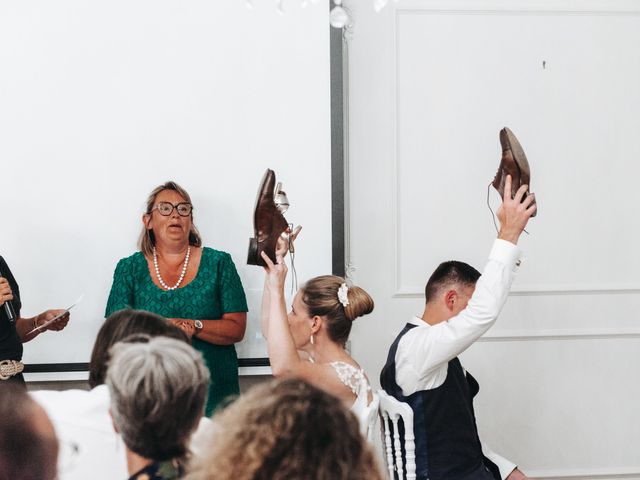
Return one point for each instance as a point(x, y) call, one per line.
point(360, 303)
point(320, 295)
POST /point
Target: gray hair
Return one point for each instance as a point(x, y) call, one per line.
point(158, 391)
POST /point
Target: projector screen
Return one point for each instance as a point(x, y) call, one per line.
point(102, 102)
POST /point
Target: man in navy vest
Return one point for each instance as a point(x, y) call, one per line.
point(423, 369)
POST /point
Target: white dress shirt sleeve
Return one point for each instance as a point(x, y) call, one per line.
point(423, 351)
point(505, 466)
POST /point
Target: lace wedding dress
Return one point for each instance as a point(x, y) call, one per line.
point(356, 380)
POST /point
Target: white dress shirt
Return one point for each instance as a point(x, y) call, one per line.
point(89, 445)
point(424, 352)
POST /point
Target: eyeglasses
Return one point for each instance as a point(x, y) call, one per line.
point(165, 208)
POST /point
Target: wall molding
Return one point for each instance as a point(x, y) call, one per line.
point(561, 334)
point(47, 372)
point(523, 12)
point(543, 290)
point(595, 474)
point(522, 7)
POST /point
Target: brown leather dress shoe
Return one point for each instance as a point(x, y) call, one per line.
point(268, 222)
point(514, 162)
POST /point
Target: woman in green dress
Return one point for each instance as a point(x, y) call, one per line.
point(196, 287)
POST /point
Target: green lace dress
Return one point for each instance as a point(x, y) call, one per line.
point(215, 290)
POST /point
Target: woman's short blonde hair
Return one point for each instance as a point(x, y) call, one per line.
point(285, 429)
point(147, 238)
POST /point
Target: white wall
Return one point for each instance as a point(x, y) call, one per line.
point(102, 101)
point(431, 84)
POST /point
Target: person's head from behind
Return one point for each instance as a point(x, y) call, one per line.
point(326, 306)
point(158, 390)
point(28, 443)
point(121, 325)
point(285, 429)
point(450, 287)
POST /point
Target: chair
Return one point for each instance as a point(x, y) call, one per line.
point(372, 420)
point(391, 410)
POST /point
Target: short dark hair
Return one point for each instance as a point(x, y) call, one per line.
point(25, 453)
point(121, 325)
point(448, 274)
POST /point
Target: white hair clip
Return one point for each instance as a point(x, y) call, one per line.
point(342, 295)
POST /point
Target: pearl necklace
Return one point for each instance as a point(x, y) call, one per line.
point(184, 270)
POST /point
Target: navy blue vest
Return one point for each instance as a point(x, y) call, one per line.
point(444, 424)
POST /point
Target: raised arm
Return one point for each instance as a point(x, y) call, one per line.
point(283, 353)
point(514, 213)
point(446, 340)
point(282, 350)
point(282, 248)
point(266, 306)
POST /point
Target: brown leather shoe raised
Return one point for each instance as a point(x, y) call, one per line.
point(514, 162)
point(268, 222)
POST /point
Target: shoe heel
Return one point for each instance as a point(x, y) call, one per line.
point(252, 256)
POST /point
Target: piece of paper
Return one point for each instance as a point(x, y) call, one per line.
point(49, 322)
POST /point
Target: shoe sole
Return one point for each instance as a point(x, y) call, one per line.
point(520, 158)
point(255, 247)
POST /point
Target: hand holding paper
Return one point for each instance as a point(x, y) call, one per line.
point(54, 319)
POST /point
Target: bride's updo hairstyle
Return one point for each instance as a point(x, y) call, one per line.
point(325, 296)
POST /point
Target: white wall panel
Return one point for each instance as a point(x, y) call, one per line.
point(102, 101)
point(431, 84)
point(551, 77)
point(560, 406)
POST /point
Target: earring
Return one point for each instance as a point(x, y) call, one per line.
point(311, 339)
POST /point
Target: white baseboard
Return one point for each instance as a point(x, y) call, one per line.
point(594, 474)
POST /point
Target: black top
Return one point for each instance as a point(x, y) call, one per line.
point(444, 424)
point(10, 344)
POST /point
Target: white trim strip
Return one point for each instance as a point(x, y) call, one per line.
point(632, 473)
point(544, 290)
point(561, 334)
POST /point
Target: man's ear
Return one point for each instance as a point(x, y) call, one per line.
point(450, 298)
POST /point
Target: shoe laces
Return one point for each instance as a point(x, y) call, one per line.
point(493, 216)
point(292, 255)
point(280, 199)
